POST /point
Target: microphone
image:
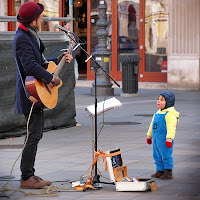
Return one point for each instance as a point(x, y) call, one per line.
point(61, 28)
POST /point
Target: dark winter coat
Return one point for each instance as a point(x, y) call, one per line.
point(28, 58)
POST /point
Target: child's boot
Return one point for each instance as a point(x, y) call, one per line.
point(167, 174)
point(157, 174)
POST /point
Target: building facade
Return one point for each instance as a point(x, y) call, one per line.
point(165, 34)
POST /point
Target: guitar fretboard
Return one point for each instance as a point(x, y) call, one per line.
point(63, 60)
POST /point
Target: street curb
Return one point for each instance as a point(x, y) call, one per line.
point(143, 85)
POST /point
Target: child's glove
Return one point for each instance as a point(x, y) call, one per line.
point(149, 140)
point(169, 143)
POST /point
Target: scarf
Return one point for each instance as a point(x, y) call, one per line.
point(33, 31)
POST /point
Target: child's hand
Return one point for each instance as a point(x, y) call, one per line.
point(169, 143)
point(149, 140)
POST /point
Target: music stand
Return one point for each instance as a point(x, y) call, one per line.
point(97, 66)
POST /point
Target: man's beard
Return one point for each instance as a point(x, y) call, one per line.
point(36, 27)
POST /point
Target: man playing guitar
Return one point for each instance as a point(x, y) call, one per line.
point(28, 52)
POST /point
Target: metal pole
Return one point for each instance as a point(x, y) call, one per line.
point(102, 54)
point(96, 125)
point(14, 18)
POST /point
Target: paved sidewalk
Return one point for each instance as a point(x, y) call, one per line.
point(66, 154)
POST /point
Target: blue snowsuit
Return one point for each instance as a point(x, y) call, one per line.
point(162, 127)
point(161, 153)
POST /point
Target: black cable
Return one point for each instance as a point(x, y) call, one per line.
point(9, 181)
point(2, 194)
point(6, 178)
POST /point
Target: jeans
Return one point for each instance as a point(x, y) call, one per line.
point(36, 127)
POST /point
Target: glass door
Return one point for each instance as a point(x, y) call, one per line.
point(156, 40)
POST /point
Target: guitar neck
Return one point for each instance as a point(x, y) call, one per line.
point(60, 66)
point(63, 60)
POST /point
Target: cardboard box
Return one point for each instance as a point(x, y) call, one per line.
point(120, 174)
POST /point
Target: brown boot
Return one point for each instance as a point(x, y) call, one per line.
point(157, 174)
point(34, 182)
point(167, 174)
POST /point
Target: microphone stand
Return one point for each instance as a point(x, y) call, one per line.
point(90, 57)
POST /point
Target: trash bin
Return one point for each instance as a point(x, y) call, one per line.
point(130, 70)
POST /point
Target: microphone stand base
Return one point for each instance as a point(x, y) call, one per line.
point(96, 178)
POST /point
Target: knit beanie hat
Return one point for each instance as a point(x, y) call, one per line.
point(169, 98)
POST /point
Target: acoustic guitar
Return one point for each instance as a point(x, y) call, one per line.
point(46, 94)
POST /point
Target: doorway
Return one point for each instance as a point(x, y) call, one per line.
point(80, 29)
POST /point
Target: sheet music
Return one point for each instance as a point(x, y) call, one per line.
point(104, 106)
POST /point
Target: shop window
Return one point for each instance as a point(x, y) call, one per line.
point(156, 41)
point(128, 29)
point(51, 9)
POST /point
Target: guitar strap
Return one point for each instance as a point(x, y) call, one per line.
point(27, 94)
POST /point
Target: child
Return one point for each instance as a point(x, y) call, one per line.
point(162, 131)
